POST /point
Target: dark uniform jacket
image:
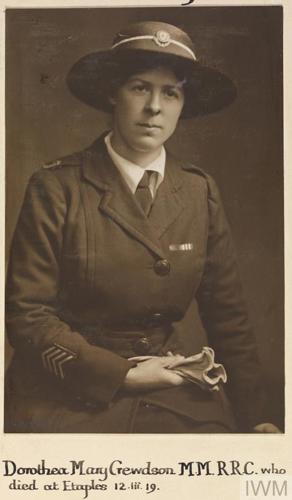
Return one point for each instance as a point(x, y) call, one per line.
point(92, 282)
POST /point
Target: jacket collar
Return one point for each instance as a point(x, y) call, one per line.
point(120, 204)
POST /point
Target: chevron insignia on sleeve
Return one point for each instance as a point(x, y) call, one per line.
point(55, 358)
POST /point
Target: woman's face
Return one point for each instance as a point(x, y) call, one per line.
point(146, 110)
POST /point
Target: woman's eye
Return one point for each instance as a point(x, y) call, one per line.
point(139, 89)
point(171, 93)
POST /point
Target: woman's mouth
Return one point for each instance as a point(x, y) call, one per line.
point(150, 126)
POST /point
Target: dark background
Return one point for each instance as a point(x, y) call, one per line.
point(240, 146)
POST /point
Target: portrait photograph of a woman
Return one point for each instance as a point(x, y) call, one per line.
point(144, 221)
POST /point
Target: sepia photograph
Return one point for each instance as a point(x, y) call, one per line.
point(144, 220)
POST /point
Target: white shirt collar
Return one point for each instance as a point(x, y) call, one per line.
point(132, 173)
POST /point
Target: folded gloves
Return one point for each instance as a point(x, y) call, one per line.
point(199, 369)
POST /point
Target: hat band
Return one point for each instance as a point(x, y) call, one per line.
point(158, 41)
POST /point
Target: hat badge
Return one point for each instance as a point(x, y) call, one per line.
point(162, 38)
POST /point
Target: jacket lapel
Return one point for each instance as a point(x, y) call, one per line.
point(118, 202)
point(168, 204)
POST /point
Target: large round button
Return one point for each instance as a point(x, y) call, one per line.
point(162, 267)
point(142, 346)
point(156, 316)
point(156, 319)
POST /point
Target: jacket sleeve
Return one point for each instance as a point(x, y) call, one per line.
point(34, 328)
point(224, 315)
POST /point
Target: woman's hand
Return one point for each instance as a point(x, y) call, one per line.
point(152, 373)
point(267, 428)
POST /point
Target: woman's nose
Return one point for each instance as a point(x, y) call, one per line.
point(153, 104)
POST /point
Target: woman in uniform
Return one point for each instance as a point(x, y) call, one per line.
point(116, 249)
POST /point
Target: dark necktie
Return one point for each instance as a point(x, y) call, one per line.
point(143, 193)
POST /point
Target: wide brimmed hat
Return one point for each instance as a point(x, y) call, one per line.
point(143, 45)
